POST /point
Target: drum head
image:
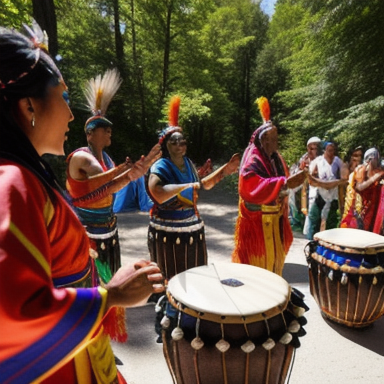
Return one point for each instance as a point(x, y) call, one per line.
point(351, 240)
point(230, 290)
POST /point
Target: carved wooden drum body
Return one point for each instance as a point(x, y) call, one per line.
point(346, 275)
point(231, 323)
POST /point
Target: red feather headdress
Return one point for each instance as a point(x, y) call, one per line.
point(265, 113)
point(173, 119)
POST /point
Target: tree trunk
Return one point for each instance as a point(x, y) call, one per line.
point(247, 98)
point(167, 49)
point(138, 72)
point(45, 14)
point(119, 46)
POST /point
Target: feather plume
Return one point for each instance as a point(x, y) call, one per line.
point(37, 35)
point(100, 91)
point(173, 111)
point(264, 109)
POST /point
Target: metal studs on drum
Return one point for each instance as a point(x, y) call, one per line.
point(374, 280)
point(177, 334)
point(197, 343)
point(191, 240)
point(158, 306)
point(298, 311)
point(330, 275)
point(165, 322)
point(344, 278)
point(294, 326)
point(248, 347)
point(286, 338)
point(223, 345)
point(178, 240)
point(269, 344)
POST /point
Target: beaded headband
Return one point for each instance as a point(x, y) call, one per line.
point(12, 81)
point(39, 39)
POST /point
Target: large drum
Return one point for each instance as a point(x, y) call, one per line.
point(346, 275)
point(231, 323)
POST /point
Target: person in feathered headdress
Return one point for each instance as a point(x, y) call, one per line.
point(263, 234)
point(93, 178)
point(176, 237)
point(50, 314)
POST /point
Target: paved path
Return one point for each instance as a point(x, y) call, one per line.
point(329, 353)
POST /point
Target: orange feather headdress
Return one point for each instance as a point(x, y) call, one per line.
point(173, 119)
point(265, 112)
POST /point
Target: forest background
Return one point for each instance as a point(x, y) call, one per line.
point(320, 64)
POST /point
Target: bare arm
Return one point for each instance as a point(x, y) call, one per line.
point(84, 166)
point(162, 193)
point(362, 184)
point(212, 179)
point(326, 184)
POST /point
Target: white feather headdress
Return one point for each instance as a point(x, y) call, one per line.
point(99, 92)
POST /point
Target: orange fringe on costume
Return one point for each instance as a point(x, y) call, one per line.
point(253, 230)
point(114, 324)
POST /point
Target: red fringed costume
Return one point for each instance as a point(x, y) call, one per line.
point(263, 234)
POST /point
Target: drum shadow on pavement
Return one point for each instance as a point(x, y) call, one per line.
point(370, 337)
point(295, 273)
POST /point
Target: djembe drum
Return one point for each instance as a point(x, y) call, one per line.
point(346, 275)
point(231, 323)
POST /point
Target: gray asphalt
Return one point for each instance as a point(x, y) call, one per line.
point(329, 354)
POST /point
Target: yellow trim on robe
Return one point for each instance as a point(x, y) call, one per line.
point(30, 247)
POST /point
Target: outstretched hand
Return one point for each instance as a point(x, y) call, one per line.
point(233, 164)
point(297, 179)
point(133, 284)
point(141, 166)
point(205, 169)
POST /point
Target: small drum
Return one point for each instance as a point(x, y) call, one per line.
point(231, 323)
point(346, 275)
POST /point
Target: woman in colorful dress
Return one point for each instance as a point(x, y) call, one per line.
point(49, 333)
point(363, 193)
point(176, 237)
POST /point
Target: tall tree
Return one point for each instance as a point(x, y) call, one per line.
point(44, 13)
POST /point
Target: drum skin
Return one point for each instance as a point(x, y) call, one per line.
point(348, 295)
point(235, 365)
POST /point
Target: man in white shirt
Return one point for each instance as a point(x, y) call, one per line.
point(326, 173)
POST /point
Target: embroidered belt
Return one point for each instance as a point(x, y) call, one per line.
point(270, 209)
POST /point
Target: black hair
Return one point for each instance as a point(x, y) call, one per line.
point(25, 71)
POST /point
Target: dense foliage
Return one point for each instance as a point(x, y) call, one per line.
point(319, 63)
